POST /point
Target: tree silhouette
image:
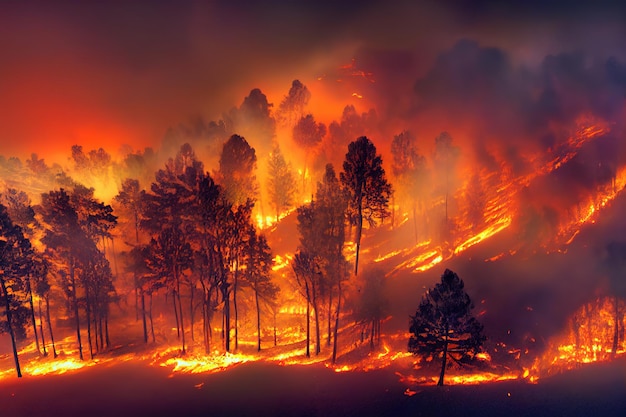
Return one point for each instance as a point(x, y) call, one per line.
point(15, 260)
point(291, 109)
point(281, 184)
point(20, 211)
point(41, 287)
point(131, 198)
point(307, 134)
point(306, 269)
point(258, 263)
point(253, 120)
point(330, 224)
point(364, 179)
point(170, 257)
point(443, 324)
point(65, 240)
point(237, 170)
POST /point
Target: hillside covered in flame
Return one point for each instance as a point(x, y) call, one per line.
point(159, 190)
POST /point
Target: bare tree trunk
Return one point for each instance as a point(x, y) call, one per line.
point(308, 328)
point(43, 339)
point(100, 331)
point(330, 303)
point(226, 316)
point(106, 328)
point(88, 311)
point(151, 322)
point(32, 312)
point(180, 311)
point(54, 349)
point(7, 305)
point(143, 315)
point(76, 316)
point(337, 320)
point(359, 231)
point(318, 348)
point(275, 336)
point(444, 359)
point(205, 337)
point(176, 316)
point(258, 320)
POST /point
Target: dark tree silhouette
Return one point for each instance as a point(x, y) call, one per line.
point(253, 120)
point(329, 224)
point(131, 198)
point(22, 214)
point(364, 179)
point(65, 240)
point(237, 170)
point(15, 261)
point(41, 287)
point(306, 269)
point(291, 109)
point(443, 324)
point(281, 185)
point(258, 264)
point(170, 256)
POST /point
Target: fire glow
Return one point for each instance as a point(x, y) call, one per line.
point(471, 206)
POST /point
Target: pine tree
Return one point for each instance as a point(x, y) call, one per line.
point(364, 179)
point(15, 261)
point(443, 324)
point(281, 185)
point(258, 263)
point(237, 170)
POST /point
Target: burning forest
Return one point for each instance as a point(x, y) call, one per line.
point(380, 210)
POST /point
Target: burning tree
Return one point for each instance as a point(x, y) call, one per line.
point(443, 324)
point(364, 179)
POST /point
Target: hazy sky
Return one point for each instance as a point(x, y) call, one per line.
point(113, 72)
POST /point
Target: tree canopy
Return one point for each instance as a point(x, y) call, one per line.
point(443, 325)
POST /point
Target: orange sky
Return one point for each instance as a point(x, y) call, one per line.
point(112, 73)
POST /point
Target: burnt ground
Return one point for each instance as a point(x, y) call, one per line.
point(260, 389)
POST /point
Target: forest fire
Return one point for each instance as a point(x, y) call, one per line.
point(386, 200)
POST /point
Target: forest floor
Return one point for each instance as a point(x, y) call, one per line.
point(134, 388)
